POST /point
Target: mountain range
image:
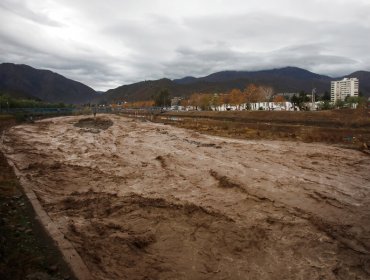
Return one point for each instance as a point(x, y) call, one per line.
point(25, 81)
point(283, 80)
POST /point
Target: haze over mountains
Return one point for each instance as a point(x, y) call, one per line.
point(25, 81)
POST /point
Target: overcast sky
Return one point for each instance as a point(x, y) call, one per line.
point(107, 43)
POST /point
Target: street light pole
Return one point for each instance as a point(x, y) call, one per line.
point(313, 97)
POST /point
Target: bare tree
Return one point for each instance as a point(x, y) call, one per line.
point(266, 92)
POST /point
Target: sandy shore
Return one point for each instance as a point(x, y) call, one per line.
point(140, 200)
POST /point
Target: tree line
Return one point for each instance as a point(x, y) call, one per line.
point(252, 93)
point(7, 102)
point(235, 97)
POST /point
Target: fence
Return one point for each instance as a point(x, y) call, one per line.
point(38, 111)
point(51, 111)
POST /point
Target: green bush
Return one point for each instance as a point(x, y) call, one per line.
point(20, 117)
point(6, 101)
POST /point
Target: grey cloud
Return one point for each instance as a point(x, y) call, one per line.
point(94, 71)
point(124, 42)
point(198, 63)
point(21, 9)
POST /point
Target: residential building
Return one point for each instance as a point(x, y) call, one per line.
point(267, 106)
point(341, 89)
point(175, 101)
point(287, 95)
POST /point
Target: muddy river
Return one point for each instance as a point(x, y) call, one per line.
point(142, 200)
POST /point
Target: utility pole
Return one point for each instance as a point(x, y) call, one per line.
point(313, 98)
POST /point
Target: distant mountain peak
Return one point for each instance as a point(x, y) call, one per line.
point(185, 80)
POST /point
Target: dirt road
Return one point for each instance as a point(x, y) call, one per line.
point(140, 200)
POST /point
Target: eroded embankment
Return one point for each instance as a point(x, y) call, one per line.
point(148, 201)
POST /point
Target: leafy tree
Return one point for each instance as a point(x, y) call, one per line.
point(252, 94)
point(195, 100)
point(139, 104)
point(303, 97)
point(226, 99)
point(205, 101)
point(162, 98)
point(300, 99)
point(326, 96)
point(339, 103)
point(326, 105)
point(255, 93)
point(236, 97)
point(295, 100)
point(351, 99)
point(362, 102)
point(10, 102)
point(184, 102)
point(278, 99)
point(217, 100)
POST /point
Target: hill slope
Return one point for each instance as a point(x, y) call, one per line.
point(147, 89)
point(25, 81)
point(274, 74)
point(288, 79)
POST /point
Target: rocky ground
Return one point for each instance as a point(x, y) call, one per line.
point(141, 200)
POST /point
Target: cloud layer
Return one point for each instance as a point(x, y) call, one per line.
point(108, 43)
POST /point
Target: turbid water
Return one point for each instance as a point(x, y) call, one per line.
point(141, 200)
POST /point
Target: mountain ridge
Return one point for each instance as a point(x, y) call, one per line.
point(286, 79)
point(42, 84)
point(233, 75)
point(25, 81)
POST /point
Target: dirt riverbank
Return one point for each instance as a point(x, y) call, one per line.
point(26, 252)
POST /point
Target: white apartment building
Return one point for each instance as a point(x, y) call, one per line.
point(341, 89)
